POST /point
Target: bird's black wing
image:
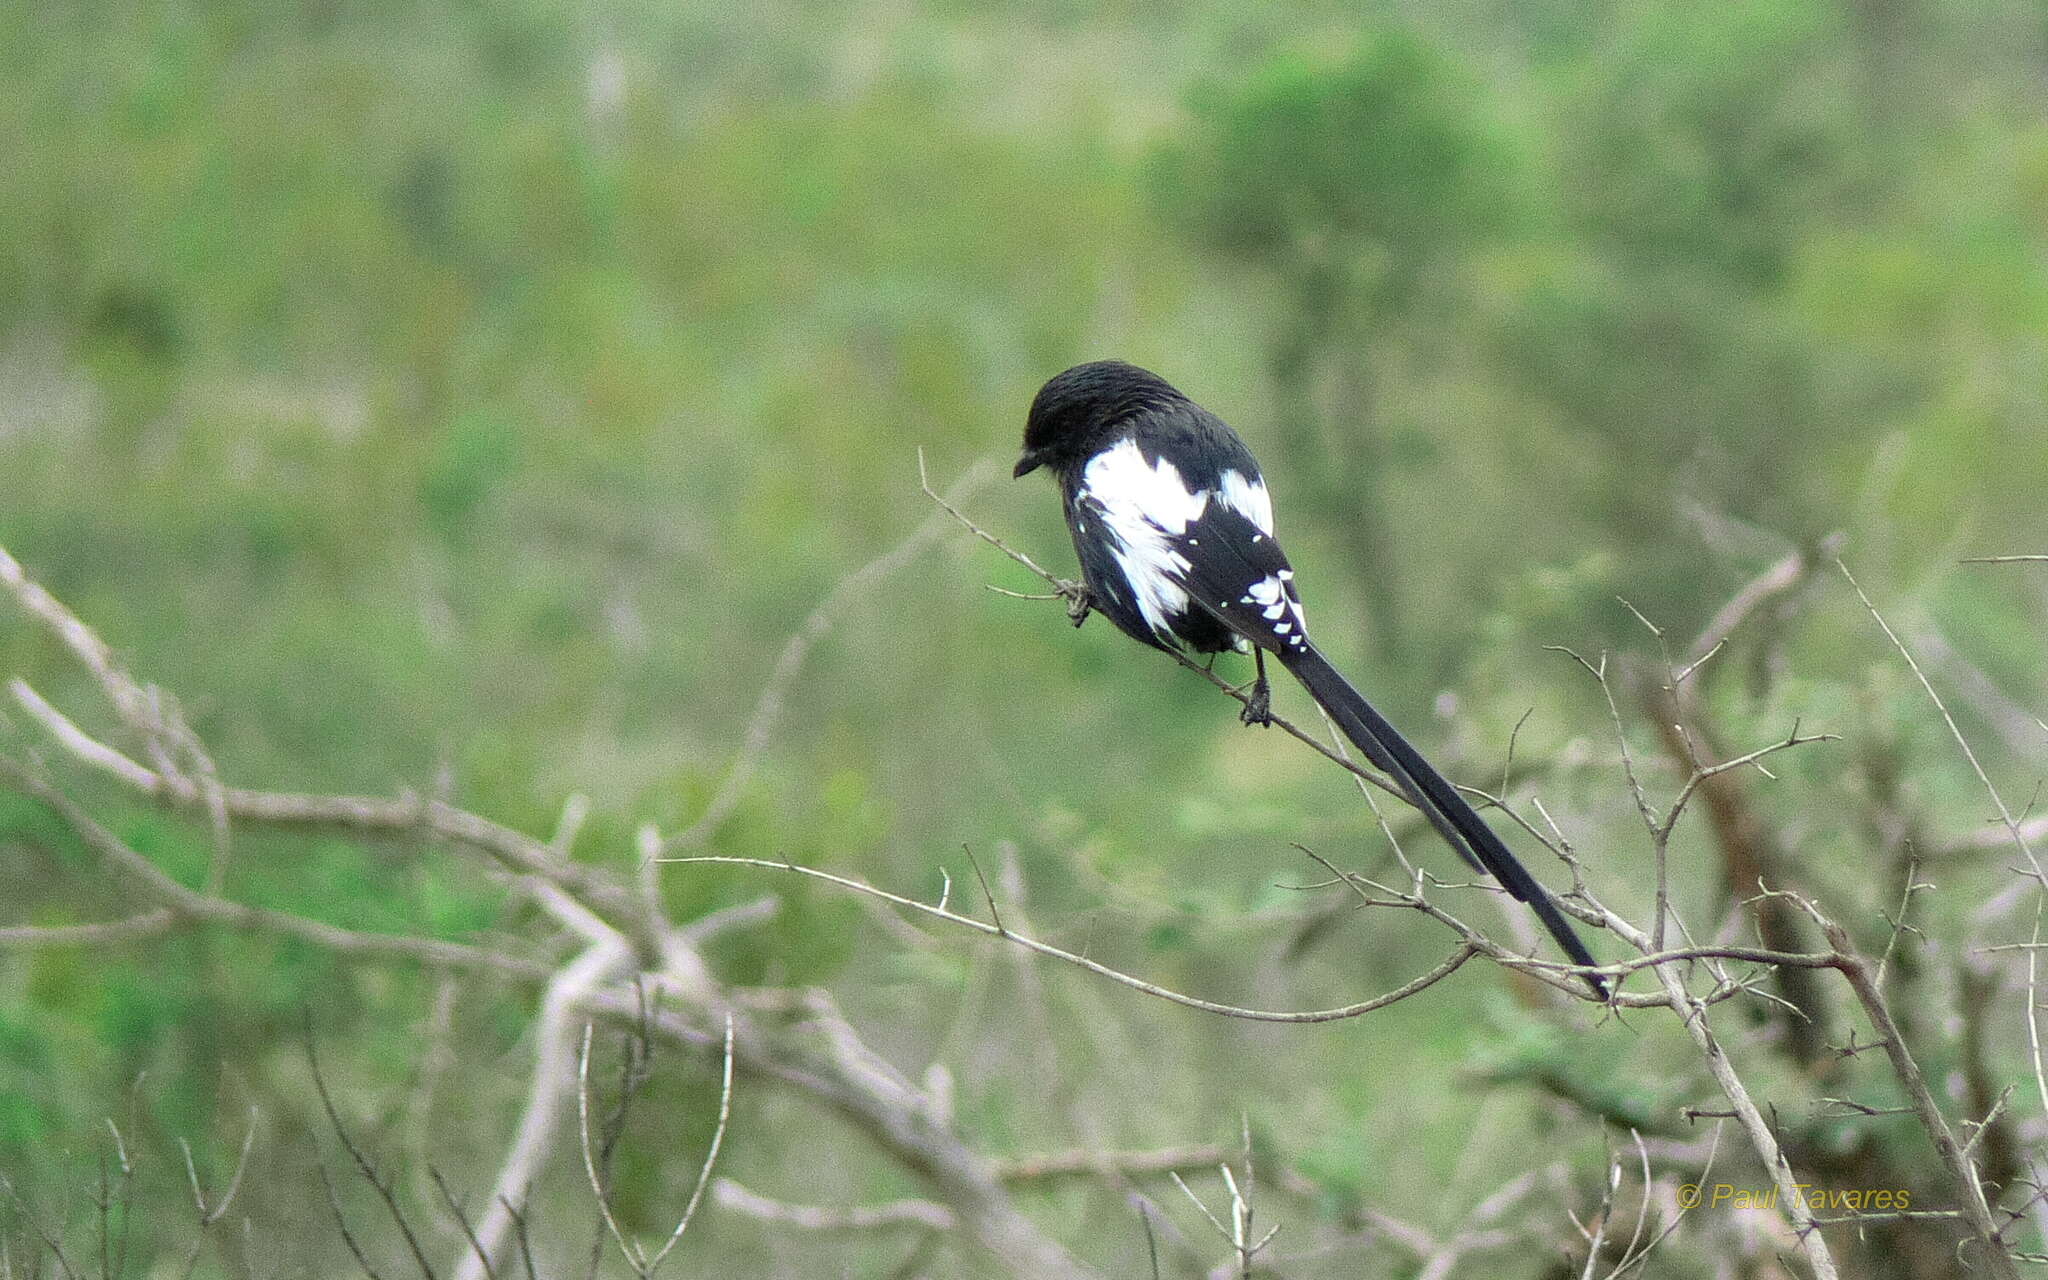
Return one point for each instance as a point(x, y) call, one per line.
point(1237, 574)
point(1235, 571)
point(1172, 500)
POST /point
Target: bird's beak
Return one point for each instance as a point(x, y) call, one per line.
point(1026, 465)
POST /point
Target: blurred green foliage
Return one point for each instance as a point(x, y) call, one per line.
point(1376, 157)
point(475, 398)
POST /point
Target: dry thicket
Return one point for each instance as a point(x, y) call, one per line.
point(1849, 1006)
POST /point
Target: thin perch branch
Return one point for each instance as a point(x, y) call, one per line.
point(1456, 959)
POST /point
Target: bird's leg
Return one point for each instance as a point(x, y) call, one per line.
point(1080, 601)
point(1258, 707)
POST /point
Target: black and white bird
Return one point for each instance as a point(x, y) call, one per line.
point(1174, 529)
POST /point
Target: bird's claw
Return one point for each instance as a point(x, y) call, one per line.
point(1258, 705)
point(1080, 603)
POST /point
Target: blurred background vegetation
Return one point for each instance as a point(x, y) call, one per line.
point(476, 397)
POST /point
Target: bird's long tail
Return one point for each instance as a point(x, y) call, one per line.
point(1440, 802)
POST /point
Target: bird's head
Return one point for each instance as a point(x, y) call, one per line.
point(1075, 411)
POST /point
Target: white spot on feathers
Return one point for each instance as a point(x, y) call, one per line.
point(1275, 599)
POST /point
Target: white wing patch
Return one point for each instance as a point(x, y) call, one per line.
point(1145, 504)
point(1148, 506)
point(1248, 497)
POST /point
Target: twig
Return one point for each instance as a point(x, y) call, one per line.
point(128, 698)
point(210, 1214)
point(1691, 1009)
point(591, 900)
point(920, 1214)
point(143, 924)
point(518, 1217)
point(1993, 836)
point(35, 1223)
point(77, 741)
point(381, 1185)
point(994, 912)
point(1989, 1121)
point(462, 1221)
point(1761, 1136)
point(341, 1223)
point(1084, 1162)
point(1781, 577)
point(1702, 773)
point(852, 589)
point(1634, 1259)
point(2005, 816)
point(1649, 816)
point(599, 1190)
point(706, 927)
point(1457, 958)
point(710, 1156)
point(1976, 1209)
point(366, 814)
point(1898, 921)
point(149, 712)
point(1849, 1106)
point(644, 1266)
point(554, 1074)
point(194, 905)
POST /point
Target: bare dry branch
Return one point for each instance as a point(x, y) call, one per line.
point(1976, 1210)
point(553, 1082)
point(1781, 578)
point(590, 901)
point(919, 1214)
point(462, 1222)
point(144, 924)
point(193, 905)
point(1082, 1162)
point(211, 1213)
point(1442, 971)
point(128, 698)
point(35, 1222)
point(637, 1258)
point(1992, 836)
point(378, 1182)
point(369, 815)
point(2012, 827)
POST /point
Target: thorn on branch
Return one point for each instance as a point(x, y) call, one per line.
point(993, 910)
